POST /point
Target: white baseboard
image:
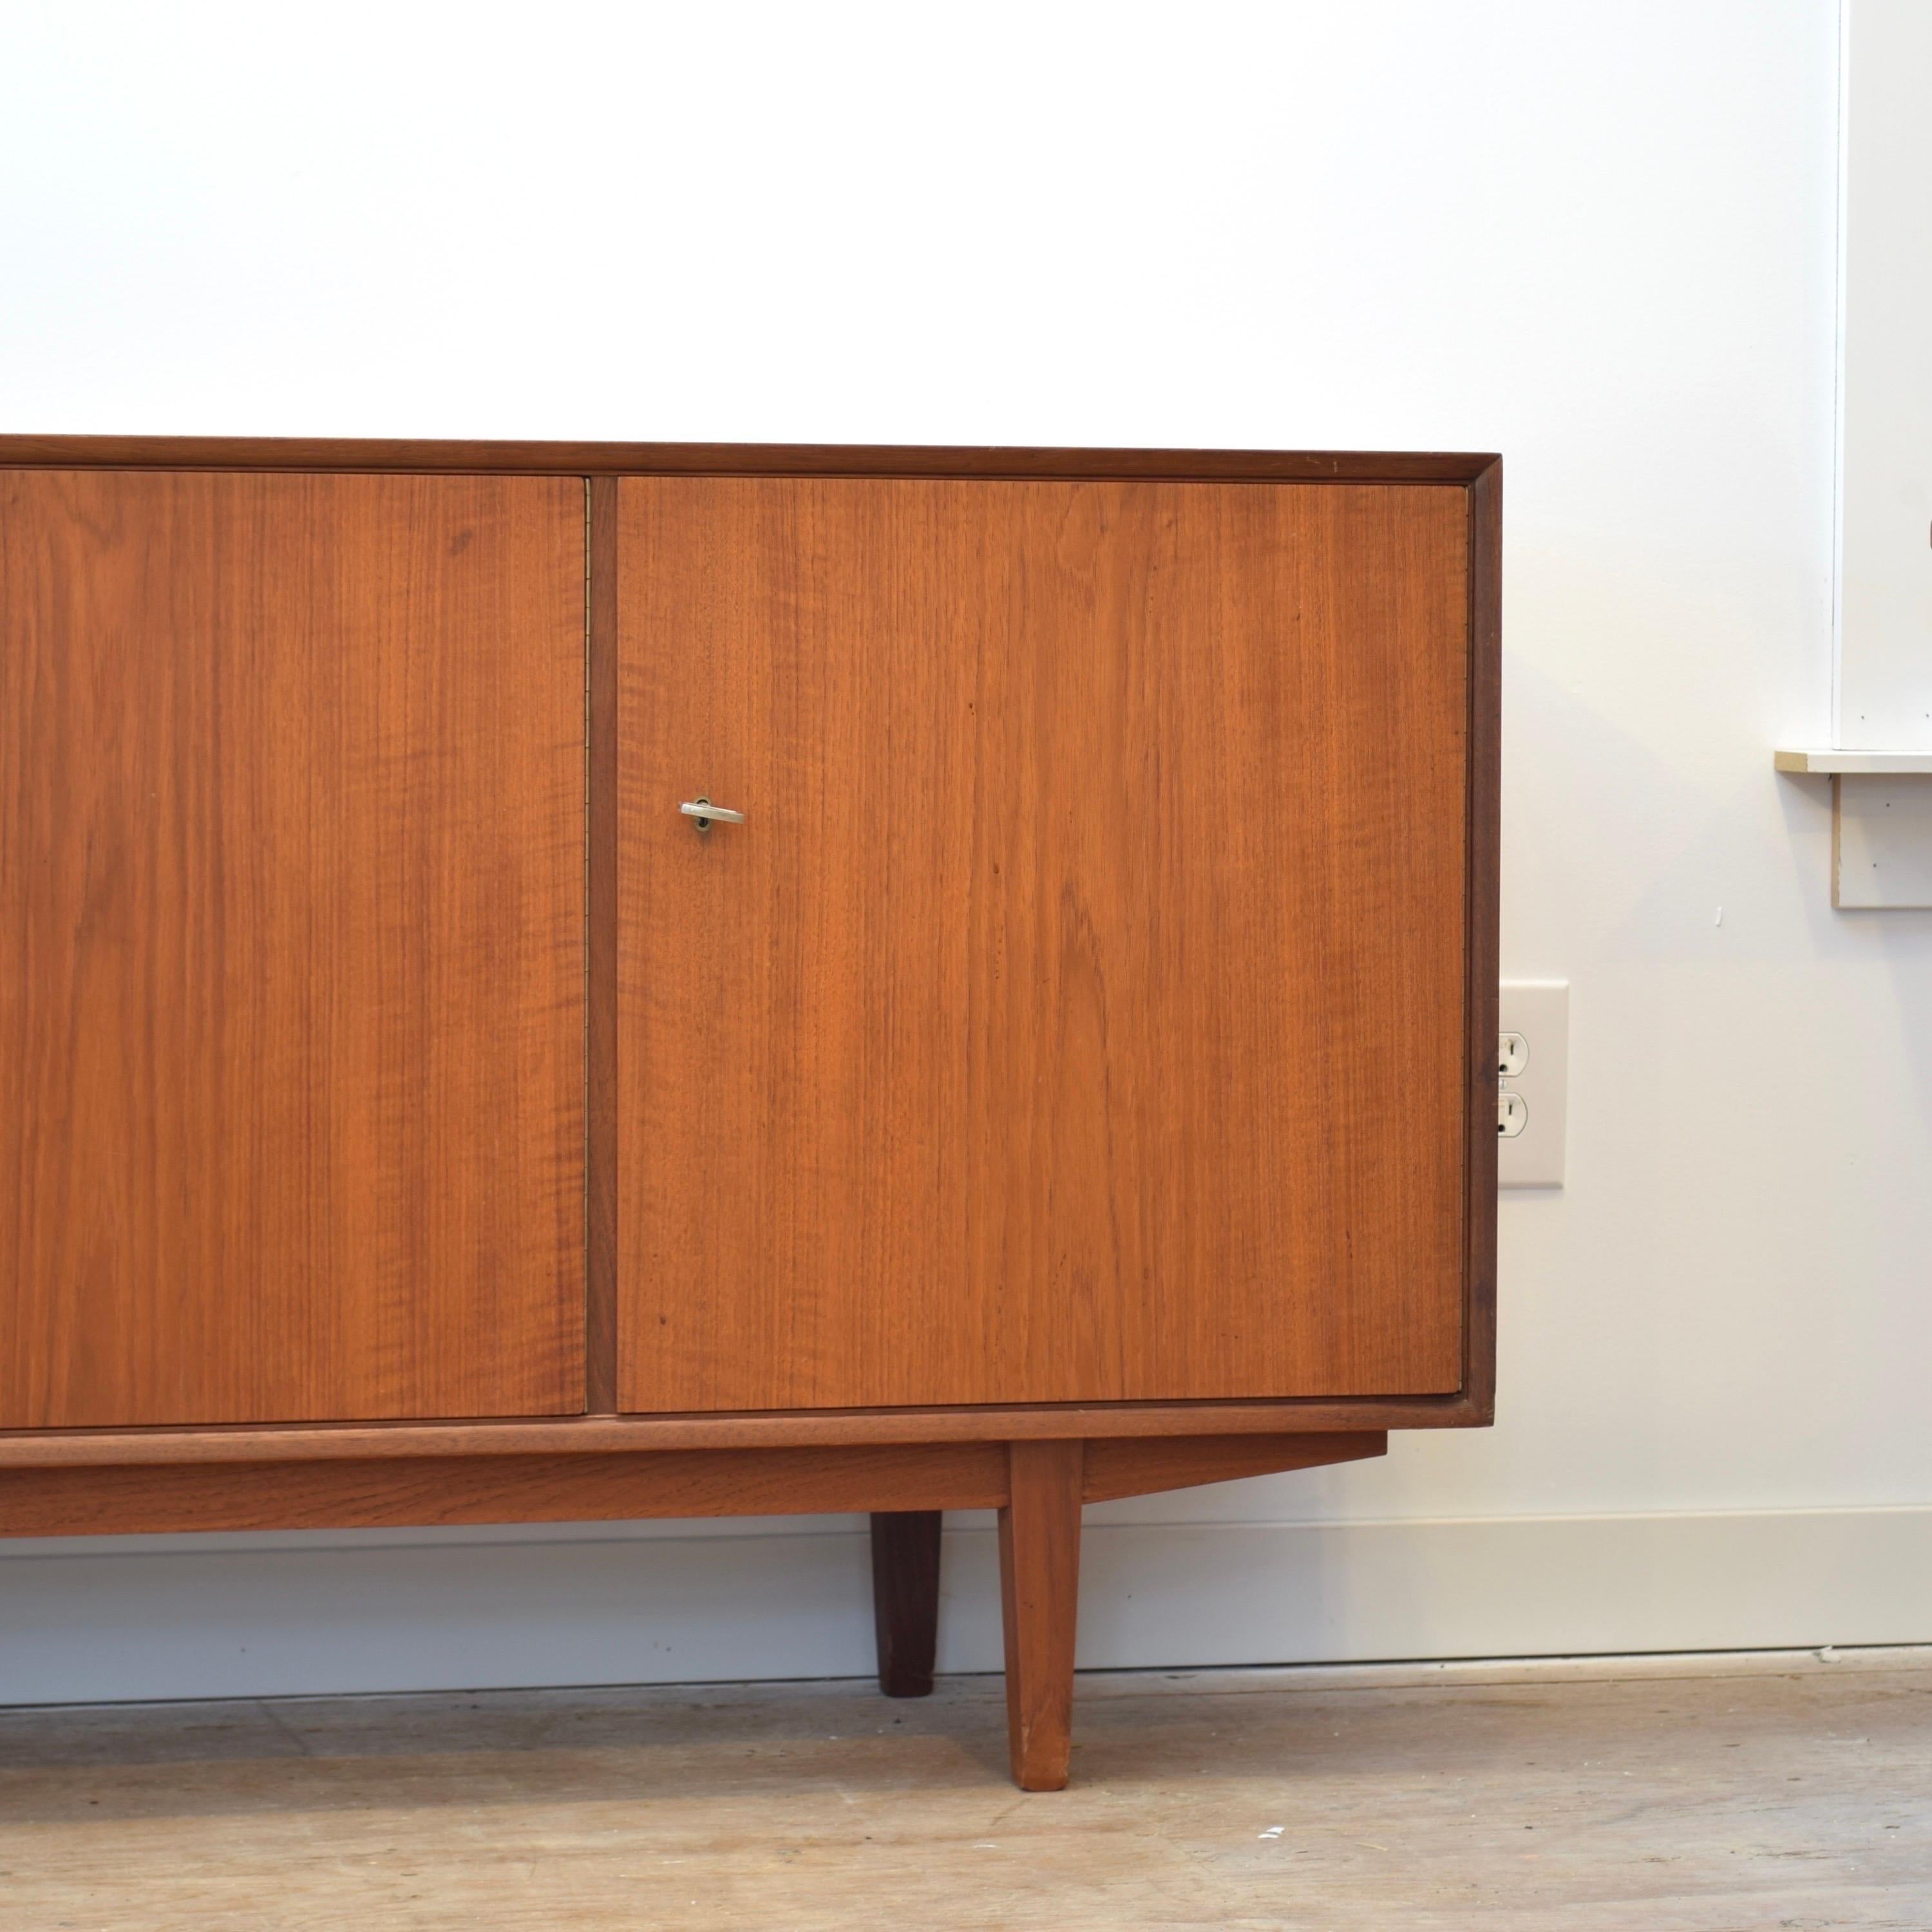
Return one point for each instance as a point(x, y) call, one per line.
point(234, 1616)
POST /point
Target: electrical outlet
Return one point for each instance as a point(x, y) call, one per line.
point(1533, 1078)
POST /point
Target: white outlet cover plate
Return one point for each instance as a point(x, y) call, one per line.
point(1539, 1010)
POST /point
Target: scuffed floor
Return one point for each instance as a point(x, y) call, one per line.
point(1723, 1795)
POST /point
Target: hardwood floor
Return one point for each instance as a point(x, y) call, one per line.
point(1698, 1794)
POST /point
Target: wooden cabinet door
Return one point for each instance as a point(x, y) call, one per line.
point(292, 956)
point(1078, 1013)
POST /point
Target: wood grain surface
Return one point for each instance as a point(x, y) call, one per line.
point(291, 973)
point(904, 1484)
point(1129, 1466)
point(404, 1493)
point(1483, 927)
point(1040, 1597)
point(905, 1597)
point(600, 1260)
point(418, 454)
point(1606, 1794)
point(1079, 1016)
point(1614, 1795)
point(600, 1435)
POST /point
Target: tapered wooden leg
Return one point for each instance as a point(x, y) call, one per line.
point(1039, 1593)
point(905, 1598)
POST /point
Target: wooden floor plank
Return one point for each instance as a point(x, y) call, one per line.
point(1743, 1797)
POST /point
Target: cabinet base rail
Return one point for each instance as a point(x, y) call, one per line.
point(1037, 1485)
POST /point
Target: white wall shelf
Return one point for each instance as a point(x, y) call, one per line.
point(1881, 826)
point(1875, 764)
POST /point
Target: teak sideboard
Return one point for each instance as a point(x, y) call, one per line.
point(570, 981)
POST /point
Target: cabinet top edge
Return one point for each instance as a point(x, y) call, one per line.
point(738, 459)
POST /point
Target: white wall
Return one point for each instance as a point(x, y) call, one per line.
point(1599, 239)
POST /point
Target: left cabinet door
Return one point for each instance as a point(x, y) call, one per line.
point(291, 898)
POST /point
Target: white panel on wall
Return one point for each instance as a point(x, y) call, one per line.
point(1885, 596)
point(1881, 844)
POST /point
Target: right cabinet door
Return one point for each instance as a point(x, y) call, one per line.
point(1077, 1014)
